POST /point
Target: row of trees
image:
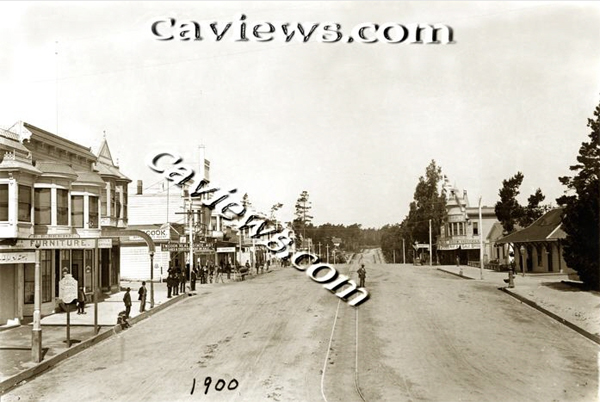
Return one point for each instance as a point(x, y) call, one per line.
point(353, 237)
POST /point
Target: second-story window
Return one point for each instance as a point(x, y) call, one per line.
point(103, 207)
point(125, 202)
point(24, 203)
point(118, 205)
point(475, 229)
point(62, 207)
point(42, 209)
point(93, 212)
point(113, 202)
point(77, 211)
point(3, 202)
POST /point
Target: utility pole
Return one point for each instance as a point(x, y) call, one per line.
point(480, 242)
point(319, 249)
point(430, 248)
point(403, 252)
point(327, 247)
point(394, 251)
point(191, 236)
point(36, 332)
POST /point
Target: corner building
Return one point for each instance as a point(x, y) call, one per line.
point(58, 196)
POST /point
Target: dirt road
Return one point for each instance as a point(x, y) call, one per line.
point(423, 335)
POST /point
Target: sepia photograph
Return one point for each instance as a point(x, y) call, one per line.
point(274, 201)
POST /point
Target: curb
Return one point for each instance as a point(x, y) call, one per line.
point(13, 382)
point(581, 331)
point(455, 274)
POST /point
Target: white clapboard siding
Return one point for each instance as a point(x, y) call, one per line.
point(135, 263)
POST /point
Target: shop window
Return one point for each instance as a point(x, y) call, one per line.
point(475, 229)
point(65, 261)
point(29, 276)
point(77, 266)
point(42, 208)
point(93, 212)
point(46, 267)
point(24, 203)
point(77, 211)
point(62, 207)
point(3, 202)
point(46, 279)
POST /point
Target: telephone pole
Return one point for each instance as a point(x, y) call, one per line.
point(430, 248)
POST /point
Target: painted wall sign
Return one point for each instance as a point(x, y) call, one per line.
point(23, 257)
point(60, 243)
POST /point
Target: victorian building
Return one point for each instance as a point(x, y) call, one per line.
point(462, 232)
point(57, 197)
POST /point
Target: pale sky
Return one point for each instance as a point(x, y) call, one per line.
point(354, 124)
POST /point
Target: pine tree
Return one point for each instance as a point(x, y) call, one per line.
point(302, 217)
point(581, 210)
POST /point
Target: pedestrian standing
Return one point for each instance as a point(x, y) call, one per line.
point(228, 270)
point(203, 274)
point(81, 301)
point(169, 285)
point(176, 273)
point(211, 271)
point(182, 281)
point(127, 301)
point(193, 278)
point(457, 261)
point(142, 292)
point(362, 274)
point(219, 274)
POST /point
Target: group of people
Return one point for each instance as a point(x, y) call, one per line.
point(142, 294)
point(176, 280)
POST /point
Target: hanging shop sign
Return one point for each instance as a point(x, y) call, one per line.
point(225, 249)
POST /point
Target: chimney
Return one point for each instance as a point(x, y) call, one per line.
point(139, 187)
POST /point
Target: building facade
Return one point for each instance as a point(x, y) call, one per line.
point(56, 199)
point(538, 247)
point(462, 232)
point(168, 214)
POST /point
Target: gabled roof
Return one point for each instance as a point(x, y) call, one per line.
point(545, 228)
point(104, 154)
point(105, 165)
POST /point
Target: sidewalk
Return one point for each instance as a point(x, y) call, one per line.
point(553, 294)
point(15, 343)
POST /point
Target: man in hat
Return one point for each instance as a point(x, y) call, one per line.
point(362, 274)
point(127, 301)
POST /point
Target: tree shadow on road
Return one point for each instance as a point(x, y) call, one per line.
point(570, 286)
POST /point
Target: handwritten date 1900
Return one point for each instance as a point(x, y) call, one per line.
point(219, 386)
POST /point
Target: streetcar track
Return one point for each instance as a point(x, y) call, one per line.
point(356, 374)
